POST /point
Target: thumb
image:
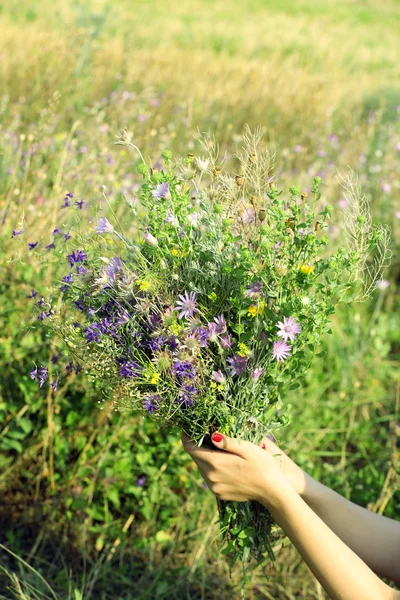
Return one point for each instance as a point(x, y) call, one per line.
point(229, 444)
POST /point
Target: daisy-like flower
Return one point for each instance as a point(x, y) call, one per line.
point(161, 190)
point(281, 350)
point(186, 305)
point(104, 226)
point(288, 330)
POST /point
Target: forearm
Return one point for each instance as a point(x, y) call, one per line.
point(376, 539)
point(340, 571)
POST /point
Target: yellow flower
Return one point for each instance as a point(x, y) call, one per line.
point(144, 285)
point(243, 350)
point(155, 377)
point(306, 269)
point(175, 328)
point(252, 311)
point(175, 252)
point(256, 310)
point(212, 296)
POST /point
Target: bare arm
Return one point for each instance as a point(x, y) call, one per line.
point(376, 539)
point(342, 573)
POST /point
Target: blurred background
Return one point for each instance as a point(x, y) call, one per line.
point(99, 505)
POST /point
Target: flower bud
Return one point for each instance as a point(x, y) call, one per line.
point(150, 239)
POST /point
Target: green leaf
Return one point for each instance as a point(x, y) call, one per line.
point(294, 386)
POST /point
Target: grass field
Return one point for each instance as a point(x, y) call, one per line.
point(97, 505)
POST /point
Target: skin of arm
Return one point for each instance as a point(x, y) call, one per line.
point(374, 538)
point(242, 471)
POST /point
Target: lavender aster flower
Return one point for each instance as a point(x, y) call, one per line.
point(254, 289)
point(114, 266)
point(104, 226)
point(186, 305)
point(256, 374)
point(237, 364)
point(218, 376)
point(226, 341)
point(221, 324)
point(161, 190)
point(281, 350)
point(288, 329)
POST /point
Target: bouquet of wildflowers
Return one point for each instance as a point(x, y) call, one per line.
point(205, 301)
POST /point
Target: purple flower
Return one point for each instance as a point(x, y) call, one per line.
point(67, 200)
point(203, 336)
point(104, 226)
point(50, 246)
point(76, 257)
point(54, 384)
point(151, 403)
point(92, 333)
point(288, 329)
point(183, 369)
point(42, 375)
point(256, 374)
point(161, 190)
point(212, 331)
point(237, 364)
point(80, 270)
point(78, 369)
point(130, 369)
point(221, 324)
point(114, 266)
point(33, 294)
point(218, 376)
point(248, 216)
point(304, 231)
point(254, 289)
point(186, 394)
point(226, 341)
point(56, 231)
point(382, 284)
point(15, 233)
point(43, 315)
point(33, 373)
point(186, 305)
point(140, 481)
point(80, 203)
point(281, 350)
point(67, 236)
point(32, 245)
point(171, 218)
point(67, 279)
point(69, 367)
point(54, 358)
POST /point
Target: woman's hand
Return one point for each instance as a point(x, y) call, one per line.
point(293, 473)
point(239, 470)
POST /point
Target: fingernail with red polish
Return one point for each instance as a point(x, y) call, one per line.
point(217, 437)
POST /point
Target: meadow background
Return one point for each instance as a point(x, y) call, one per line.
point(98, 505)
